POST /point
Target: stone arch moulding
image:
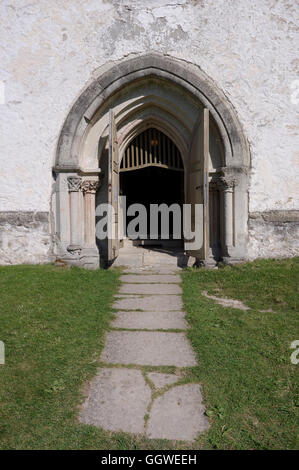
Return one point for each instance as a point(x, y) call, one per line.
point(83, 139)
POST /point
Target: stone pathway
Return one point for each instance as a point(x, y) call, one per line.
point(148, 331)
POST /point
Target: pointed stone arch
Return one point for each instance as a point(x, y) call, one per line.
point(168, 93)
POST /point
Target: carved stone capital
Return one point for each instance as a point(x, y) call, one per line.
point(90, 186)
point(74, 183)
point(227, 182)
point(228, 178)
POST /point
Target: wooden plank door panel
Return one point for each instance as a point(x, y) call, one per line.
point(113, 187)
point(198, 186)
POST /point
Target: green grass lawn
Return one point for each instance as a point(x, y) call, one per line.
point(53, 320)
point(250, 386)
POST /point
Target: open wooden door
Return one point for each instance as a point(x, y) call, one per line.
point(113, 185)
point(198, 188)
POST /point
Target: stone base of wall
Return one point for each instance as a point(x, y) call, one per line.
point(25, 238)
point(273, 234)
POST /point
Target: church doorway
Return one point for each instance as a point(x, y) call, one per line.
point(152, 174)
point(156, 130)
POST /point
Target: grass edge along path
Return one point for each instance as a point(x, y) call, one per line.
point(53, 322)
point(250, 385)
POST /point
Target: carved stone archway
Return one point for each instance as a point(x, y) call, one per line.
point(148, 90)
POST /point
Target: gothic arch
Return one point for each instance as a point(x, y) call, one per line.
point(170, 93)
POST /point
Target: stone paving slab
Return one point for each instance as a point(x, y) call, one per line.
point(152, 270)
point(127, 296)
point(129, 261)
point(150, 289)
point(150, 303)
point(119, 398)
point(117, 401)
point(150, 320)
point(163, 259)
point(150, 278)
point(161, 380)
point(178, 414)
point(148, 348)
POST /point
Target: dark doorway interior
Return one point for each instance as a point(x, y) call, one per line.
point(153, 185)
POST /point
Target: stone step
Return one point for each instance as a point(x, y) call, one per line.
point(150, 320)
point(150, 289)
point(150, 303)
point(139, 257)
point(150, 278)
point(158, 269)
point(117, 401)
point(134, 260)
point(153, 258)
point(178, 414)
point(148, 348)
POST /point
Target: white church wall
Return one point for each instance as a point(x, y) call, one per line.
point(51, 50)
point(24, 238)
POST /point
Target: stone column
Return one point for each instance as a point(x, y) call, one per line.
point(227, 184)
point(74, 184)
point(214, 218)
point(90, 252)
point(210, 261)
point(89, 188)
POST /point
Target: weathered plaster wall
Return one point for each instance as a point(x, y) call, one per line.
point(273, 234)
point(50, 50)
point(25, 238)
